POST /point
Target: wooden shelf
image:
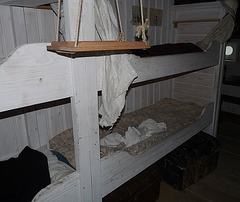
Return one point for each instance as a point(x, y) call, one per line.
point(84, 46)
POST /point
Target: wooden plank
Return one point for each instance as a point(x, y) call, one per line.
point(195, 28)
point(190, 98)
point(33, 75)
point(8, 142)
point(31, 24)
point(162, 66)
point(8, 40)
point(46, 25)
point(193, 90)
point(85, 105)
point(19, 27)
point(84, 46)
point(32, 130)
point(196, 79)
point(198, 21)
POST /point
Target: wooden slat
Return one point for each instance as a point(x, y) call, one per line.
point(68, 46)
point(175, 23)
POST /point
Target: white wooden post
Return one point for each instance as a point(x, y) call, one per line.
point(84, 102)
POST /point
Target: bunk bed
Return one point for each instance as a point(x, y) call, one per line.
point(32, 75)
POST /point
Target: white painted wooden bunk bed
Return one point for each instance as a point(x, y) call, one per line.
point(32, 75)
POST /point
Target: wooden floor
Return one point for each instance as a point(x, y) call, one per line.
point(223, 184)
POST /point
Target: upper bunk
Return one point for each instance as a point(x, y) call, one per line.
point(33, 75)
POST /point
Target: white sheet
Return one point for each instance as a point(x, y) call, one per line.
point(118, 73)
point(134, 135)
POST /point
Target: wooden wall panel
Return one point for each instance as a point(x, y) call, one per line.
point(231, 91)
point(141, 96)
point(198, 85)
point(196, 79)
point(20, 26)
point(8, 41)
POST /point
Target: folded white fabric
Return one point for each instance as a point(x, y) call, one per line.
point(118, 72)
point(112, 140)
point(150, 127)
point(134, 135)
point(146, 129)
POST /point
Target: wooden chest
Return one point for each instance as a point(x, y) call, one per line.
point(191, 161)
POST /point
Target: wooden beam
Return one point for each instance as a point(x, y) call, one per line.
point(68, 46)
point(175, 23)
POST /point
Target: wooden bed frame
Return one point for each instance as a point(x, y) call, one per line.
point(33, 75)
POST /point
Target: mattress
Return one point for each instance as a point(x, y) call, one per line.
point(175, 114)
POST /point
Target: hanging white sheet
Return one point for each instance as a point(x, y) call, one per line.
point(118, 73)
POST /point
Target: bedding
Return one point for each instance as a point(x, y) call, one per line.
point(176, 114)
point(24, 176)
point(168, 49)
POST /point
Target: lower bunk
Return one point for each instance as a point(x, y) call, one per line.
point(171, 123)
point(38, 175)
point(140, 138)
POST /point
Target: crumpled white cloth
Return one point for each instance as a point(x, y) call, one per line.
point(134, 135)
point(118, 72)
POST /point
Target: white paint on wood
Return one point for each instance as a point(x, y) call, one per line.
point(32, 75)
point(155, 67)
point(84, 105)
point(41, 76)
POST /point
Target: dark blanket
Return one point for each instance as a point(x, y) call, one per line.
point(23, 177)
point(168, 49)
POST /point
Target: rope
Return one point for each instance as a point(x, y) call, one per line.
point(58, 19)
point(121, 35)
point(141, 30)
point(78, 23)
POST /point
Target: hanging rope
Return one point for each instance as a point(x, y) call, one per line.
point(121, 35)
point(141, 30)
point(58, 19)
point(78, 23)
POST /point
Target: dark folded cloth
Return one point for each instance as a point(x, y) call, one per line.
point(168, 49)
point(23, 177)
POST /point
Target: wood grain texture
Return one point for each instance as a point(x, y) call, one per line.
point(85, 46)
point(153, 68)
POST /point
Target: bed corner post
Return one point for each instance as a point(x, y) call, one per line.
point(84, 102)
